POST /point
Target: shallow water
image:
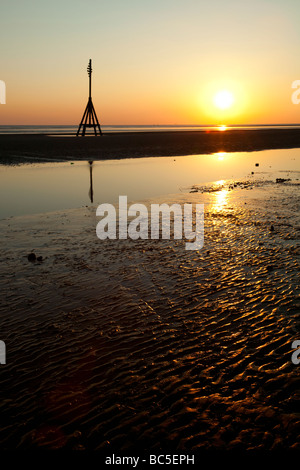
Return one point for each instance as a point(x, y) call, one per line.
point(30, 189)
point(140, 345)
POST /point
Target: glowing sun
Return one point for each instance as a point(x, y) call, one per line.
point(223, 99)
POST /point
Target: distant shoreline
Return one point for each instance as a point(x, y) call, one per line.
point(18, 148)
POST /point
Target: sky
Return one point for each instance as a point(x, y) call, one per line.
point(154, 61)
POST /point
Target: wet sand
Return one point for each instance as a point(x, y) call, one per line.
point(141, 346)
point(30, 148)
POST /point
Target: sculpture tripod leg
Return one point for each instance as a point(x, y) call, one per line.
point(89, 119)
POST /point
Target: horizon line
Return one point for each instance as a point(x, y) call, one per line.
point(159, 125)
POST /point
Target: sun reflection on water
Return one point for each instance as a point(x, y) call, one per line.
point(220, 155)
point(220, 197)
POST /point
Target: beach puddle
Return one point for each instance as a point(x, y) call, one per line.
point(37, 188)
point(141, 345)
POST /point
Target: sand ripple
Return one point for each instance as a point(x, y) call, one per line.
point(113, 345)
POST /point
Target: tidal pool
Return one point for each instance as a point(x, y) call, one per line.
point(44, 187)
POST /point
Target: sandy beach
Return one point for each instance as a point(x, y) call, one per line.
point(150, 233)
point(30, 148)
point(141, 346)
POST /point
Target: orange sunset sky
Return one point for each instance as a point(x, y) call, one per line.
point(154, 62)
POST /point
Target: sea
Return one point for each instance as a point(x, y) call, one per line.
point(72, 129)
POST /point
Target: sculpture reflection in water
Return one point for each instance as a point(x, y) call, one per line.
point(91, 191)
